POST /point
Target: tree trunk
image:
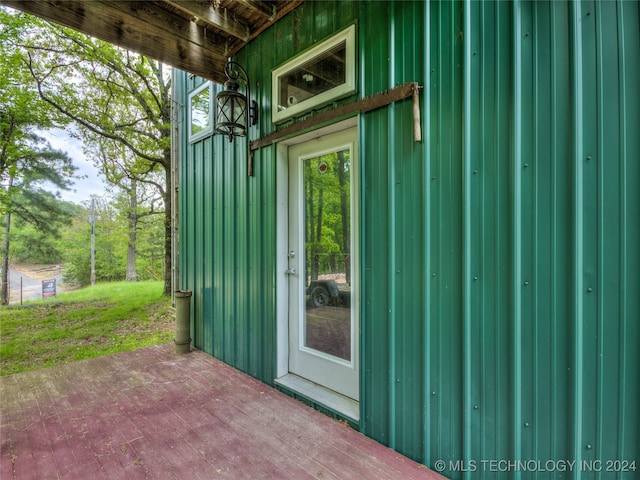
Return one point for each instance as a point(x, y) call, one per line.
point(308, 224)
point(132, 275)
point(318, 239)
point(4, 293)
point(344, 210)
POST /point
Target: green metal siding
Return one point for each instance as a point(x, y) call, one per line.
point(500, 260)
point(226, 250)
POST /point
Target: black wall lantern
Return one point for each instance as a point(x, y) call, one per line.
point(233, 117)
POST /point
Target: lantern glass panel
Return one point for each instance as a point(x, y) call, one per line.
point(232, 113)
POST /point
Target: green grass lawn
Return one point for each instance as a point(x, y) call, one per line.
point(91, 322)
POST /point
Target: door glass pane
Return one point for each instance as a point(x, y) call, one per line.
point(327, 225)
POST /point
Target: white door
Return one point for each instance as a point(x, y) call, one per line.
point(322, 269)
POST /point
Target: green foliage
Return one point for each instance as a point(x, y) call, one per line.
point(327, 219)
point(22, 111)
point(32, 204)
point(20, 103)
point(24, 197)
point(28, 165)
point(87, 323)
point(118, 101)
point(150, 249)
point(119, 105)
point(71, 245)
point(110, 246)
point(31, 245)
point(111, 236)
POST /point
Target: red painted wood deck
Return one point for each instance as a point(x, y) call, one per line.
point(152, 414)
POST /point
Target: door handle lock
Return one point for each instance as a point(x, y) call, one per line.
point(290, 271)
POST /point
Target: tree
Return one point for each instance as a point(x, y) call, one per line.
point(30, 244)
point(25, 198)
point(27, 162)
point(110, 245)
point(110, 94)
point(327, 214)
point(139, 196)
point(111, 234)
point(22, 112)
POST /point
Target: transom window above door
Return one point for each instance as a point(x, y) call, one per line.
point(316, 77)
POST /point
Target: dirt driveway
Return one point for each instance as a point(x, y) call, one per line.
point(25, 281)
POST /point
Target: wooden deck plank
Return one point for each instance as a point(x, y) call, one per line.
point(157, 415)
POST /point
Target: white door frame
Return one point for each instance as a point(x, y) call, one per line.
point(342, 405)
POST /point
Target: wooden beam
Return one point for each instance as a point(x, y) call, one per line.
point(362, 105)
point(267, 10)
point(143, 27)
point(217, 17)
point(256, 30)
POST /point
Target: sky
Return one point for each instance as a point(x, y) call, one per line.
point(84, 188)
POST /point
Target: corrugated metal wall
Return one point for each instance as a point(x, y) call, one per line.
point(227, 220)
point(501, 261)
point(501, 265)
point(227, 240)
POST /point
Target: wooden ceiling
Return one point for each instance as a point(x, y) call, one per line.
point(195, 36)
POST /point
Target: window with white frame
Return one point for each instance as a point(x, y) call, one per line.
point(318, 76)
point(201, 112)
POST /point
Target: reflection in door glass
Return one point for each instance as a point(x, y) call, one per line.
point(327, 322)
